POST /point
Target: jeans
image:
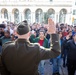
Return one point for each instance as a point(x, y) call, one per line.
point(41, 67)
point(71, 66)
point(56, 65)
point(64, 57)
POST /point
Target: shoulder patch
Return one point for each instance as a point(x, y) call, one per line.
point(5, 45)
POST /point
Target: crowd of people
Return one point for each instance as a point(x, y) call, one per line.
point(40, 34)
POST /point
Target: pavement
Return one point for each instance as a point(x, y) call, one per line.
point(49, 68)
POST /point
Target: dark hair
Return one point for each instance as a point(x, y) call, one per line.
point(42, 31)
point(74, 26)
point(7, 31)
point(59, 32)
point(69, 32)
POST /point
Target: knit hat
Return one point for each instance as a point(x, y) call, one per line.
point(23, 28)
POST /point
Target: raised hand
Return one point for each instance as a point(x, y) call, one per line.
point(51, 26)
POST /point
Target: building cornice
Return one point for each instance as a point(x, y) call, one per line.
point(38, 5)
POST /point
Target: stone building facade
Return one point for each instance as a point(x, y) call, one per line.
point(37, 10)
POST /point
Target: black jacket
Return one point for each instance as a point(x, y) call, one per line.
point(71, 50)
point(64, 44)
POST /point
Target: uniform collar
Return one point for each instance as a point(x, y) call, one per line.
point(22, 40)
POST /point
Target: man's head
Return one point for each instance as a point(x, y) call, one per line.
point(60, 34)
point(7, 33)
point(70, 33)
point(0, 29)
point(41, 34)
point(22, 30)
point(75, 28)
point(74, 37)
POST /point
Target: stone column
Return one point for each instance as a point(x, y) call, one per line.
point(12, 17)
point(9, 16)
point(20, 16)
point(68, 18)
point(57, 17)
point(0, 13)
point(32, 17)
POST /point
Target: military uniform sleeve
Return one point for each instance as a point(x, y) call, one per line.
point(54, 49)
point(3, 69)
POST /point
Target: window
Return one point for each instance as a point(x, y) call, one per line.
point(62, 16)
point(28, 15)
point(51, 0)
point(74, 12)
point(51, 13)
point(75, 3)
point(16, 16)
point(39, 15)
point(5, 14)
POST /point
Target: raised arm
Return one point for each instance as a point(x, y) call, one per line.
point(55, 48)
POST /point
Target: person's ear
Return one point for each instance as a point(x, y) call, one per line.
point(29, 34)
point(15, 33)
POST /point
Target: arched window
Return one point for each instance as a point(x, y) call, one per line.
point(74, 12)
point(5, 14)
point(16, 16)
point(51, 14)
point(27, 16)
point(62, 16)
point(39, 15)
